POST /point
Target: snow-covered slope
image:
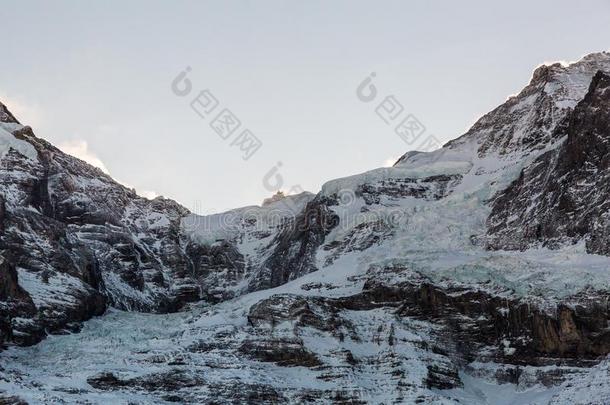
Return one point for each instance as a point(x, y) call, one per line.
point(426, 282)
point(528, 120)
point(75, 241)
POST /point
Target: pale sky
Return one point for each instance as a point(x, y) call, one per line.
point(94, 79)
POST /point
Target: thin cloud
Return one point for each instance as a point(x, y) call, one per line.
point(151, 195)
point(28, 113)
point(389, 162)
point(80, 148)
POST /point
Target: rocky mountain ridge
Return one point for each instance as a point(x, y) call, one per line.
point(479, 264)
point(569, 182)
point(77, 241)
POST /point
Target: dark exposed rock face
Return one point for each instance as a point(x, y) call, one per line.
point(316, 312)
point(314, 316)
point(510, 331)
point(184, 387)
point(522, 332)
point(215, 267)
point(11, 400)
point(518, 332)
point(283, 352)
point(470, 322)
point(80, 242)
point(294, 249)
point(562, 196)
point(443, 378)
point(13, 300)
point(166, 382)
point(431, 188)
point(477, 319)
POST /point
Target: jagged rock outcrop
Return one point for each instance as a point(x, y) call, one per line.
point(14, 301)
point(78, 241)
point(432, 188)
point(216, 267)
point(562, 197)
point(294, 249)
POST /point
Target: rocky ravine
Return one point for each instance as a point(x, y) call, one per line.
point(433, 281)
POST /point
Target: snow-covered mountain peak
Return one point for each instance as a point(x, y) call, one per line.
point(590, 62)
point(527, 121)
point(596, 57)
